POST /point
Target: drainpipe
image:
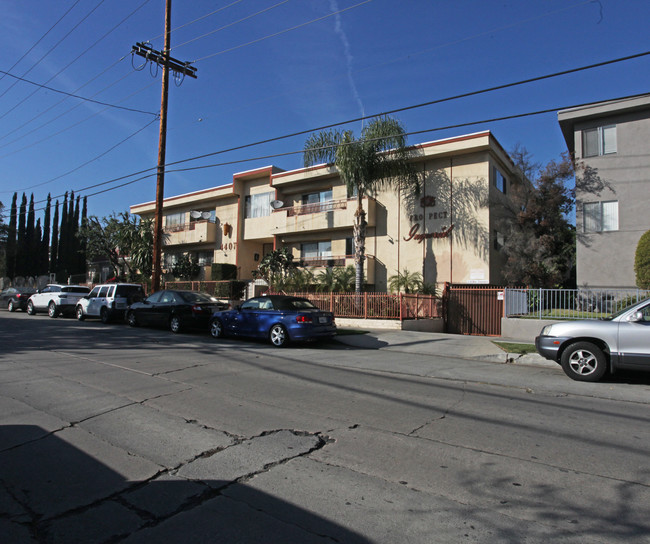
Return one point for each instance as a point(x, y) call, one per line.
point(451, 215)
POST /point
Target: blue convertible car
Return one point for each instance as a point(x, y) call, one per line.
point(279, 318)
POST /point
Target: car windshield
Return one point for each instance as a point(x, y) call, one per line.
point(193, 297)
point(627, 307)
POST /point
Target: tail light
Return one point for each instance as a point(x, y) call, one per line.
point(303, 319)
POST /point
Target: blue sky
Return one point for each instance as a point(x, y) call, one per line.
point(268, 68)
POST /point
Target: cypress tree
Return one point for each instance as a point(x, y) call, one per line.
point(45, 241)
point(54, 254)
point(37, 261)
point(31, 252)
point(82, 239)
point(11, 238)
point(21, 257)
point(76, 243)
point(63, 239)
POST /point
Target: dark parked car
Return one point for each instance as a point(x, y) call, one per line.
point(15, 298)
point(277, 317)
point(588, 349)
point(174, 309)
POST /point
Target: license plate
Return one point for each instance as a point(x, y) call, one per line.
point(322, 319)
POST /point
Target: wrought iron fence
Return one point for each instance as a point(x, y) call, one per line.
point(569, 303)
point(376, 305)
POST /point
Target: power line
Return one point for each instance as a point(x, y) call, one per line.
point(299, 133)
point(71, 95)
point(232, 24)
point(41, 38)
point(196, 20)
point(282, 31)
point(51, 50)
point(81, 54)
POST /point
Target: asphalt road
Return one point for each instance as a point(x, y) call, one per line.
point(113, 434)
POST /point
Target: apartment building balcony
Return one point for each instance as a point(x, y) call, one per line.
point(320, 216)
point(196, 232)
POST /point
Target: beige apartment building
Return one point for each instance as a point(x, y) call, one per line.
point(452, 232)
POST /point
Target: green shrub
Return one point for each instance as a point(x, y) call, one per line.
point(223, 271)
point(642, 262)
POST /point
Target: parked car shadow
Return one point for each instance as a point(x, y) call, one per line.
point(55, 492)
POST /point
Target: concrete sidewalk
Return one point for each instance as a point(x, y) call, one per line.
point(480, 348)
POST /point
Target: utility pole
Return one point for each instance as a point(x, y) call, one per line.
point(178, 67)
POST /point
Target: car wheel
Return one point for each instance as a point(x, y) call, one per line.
point(584, 362)
point(80, 313)
point(131, 319)
point(11, 306)
point(278, 336)
point(30, 308)
point(104, 315)
point(175, 324)
point(216, 328)
point(52, 311)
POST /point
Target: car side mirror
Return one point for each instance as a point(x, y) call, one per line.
point(636, 317)
point(38, 291)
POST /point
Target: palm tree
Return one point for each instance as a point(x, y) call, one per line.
point(379, 158)
point(409, 281)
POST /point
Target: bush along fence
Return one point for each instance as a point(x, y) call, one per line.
point(569, 303)
point(228, 289)
point(376, 305)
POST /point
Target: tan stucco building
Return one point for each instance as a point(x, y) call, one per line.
point(450, 233)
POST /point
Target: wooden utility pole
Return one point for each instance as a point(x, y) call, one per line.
point(162, 146)
point(178, 67)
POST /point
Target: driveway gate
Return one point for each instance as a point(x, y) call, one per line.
point(473, 309)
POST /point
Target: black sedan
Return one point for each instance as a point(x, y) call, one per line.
point(15, 298)
point(174, 309)
point(278, 318)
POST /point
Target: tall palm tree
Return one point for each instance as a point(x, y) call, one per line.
point(379, 158)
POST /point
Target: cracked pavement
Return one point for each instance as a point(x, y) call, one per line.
point(112, 434)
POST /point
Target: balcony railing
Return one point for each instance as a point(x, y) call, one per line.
point(317, 207)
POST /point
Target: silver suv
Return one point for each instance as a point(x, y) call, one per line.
point(108, 301)
point(588, 349)
point(56, 299)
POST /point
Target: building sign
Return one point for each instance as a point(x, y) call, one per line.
point(414, 233)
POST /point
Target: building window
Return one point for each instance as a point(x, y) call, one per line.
point(599, 141)
point(316, 250)
point(499, 240)
point(171, 259)
point(204, 258)
point(600, 216)
point(500, 181)
point(315, 198)
point(175, 220)
point(258, 205)
point(349, 247)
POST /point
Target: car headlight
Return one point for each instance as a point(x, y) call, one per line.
point(546, 331)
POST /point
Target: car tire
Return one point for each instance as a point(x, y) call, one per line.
point(175, 324)
point(30, 308)
point(278, 336)
point(79, 312)
point(52, 310)
point(584, 362)
point(216, 328)
point(104, 315)
point(11, 306)
point(131, 319)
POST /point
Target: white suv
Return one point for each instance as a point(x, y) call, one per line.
point(108, 300)
point(56, 299)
